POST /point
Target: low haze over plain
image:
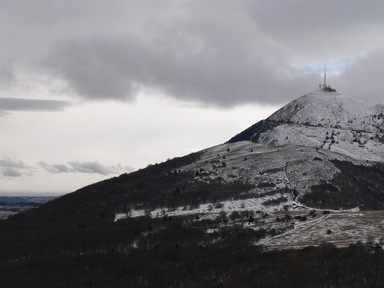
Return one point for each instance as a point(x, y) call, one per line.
point(91, 89)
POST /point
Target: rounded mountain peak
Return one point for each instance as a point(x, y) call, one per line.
point(325, 120)
point(327, 109)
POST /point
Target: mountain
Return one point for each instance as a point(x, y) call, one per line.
point(326, 120)
point(257, 209)
point(322, 150)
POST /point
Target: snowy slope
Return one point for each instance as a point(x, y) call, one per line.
point(294, 151)
point(327, 109)
point(291, 158)
point(327, 120)
point(279, 177)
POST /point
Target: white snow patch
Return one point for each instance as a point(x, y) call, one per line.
point(214, 209)
point(341, 228)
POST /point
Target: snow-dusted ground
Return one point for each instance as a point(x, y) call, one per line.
point(213, 210)
point(330, 121)
point(361, 145)
point(268, 168)
point(340, 228)
point(275, 172)
point(290, 158)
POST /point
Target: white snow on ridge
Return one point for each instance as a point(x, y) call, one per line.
point(358, 145)
point(214, 209)
point(330, 121)
point(341, 228)
point(284, 166)
point(329, 110)
point(275, 172)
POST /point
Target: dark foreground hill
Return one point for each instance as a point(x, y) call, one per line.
point(241, 214)
point(74, 241)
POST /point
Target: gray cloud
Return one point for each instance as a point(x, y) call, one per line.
point(219, 52)
point(85, 167)
point(12, 172)
point(55, 168)
point(90, 167)
point(364, 78)
point(321, 28)
point(19, 104)
point(13, 168)
point(7, 75)
point(208, 61)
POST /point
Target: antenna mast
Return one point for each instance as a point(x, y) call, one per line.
point(325, 87)
point(325, 76)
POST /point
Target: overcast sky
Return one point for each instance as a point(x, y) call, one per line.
point(90, 89)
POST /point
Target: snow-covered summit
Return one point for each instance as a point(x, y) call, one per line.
point(327, 109)
point(327, 120)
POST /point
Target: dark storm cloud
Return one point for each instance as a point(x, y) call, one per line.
point(13, 168)
point(84, 167)
point(324, 28)
point(18, 104)
point(216, 56)
point(217, 52)
point(117, 68)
